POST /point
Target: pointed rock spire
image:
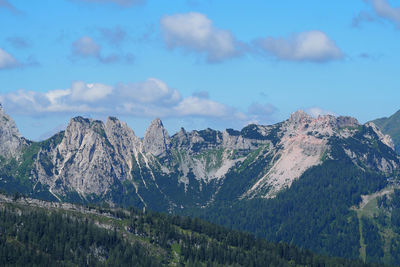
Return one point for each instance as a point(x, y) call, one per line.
point(156, 138)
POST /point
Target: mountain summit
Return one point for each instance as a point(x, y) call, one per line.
point(96, 161)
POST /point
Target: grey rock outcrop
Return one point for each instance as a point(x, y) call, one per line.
point(156, 139)
point(84, 160)
point(11, 141)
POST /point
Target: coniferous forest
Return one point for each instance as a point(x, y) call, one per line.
point(36, 235)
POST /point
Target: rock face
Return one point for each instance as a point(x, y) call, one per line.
point(391, 126)
point(156, 139)
point(306, 142)
point(83, 161)
point(11, 141)
point(97, 161)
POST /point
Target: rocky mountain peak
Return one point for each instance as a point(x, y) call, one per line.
point(121, 135)
point(156, 138)
point(11, 141)
point(81, 131)
point(299, 116)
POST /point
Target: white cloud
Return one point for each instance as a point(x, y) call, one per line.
point(150, 91)
point(385, 10)
point(89, 92)
point(312, 46)
point(195, 32)
point(196, 106)
point(317, 111)
point(7, 61)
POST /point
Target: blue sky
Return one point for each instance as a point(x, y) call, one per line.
point(196, 64)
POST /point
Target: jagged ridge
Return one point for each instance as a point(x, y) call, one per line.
point(95, 161)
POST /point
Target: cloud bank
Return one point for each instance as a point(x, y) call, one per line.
point(147, 99)
point(150, 98)
point(309, 46)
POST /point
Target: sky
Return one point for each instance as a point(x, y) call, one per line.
point(196, 64)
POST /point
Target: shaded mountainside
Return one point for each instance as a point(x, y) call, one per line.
point(40, 233)
point(297, 181)
point(391, 126)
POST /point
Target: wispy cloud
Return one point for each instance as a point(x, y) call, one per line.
point(317, 111)
point(384, 10)
point(309, 46)
point(7, 5)
point(261, 113)
point(114, 36)
point(122, 3)
point(86, 48)
point(195, 32)
point(361, 17)
point(18, 42)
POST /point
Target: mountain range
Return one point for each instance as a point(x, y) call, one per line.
point(328, 184)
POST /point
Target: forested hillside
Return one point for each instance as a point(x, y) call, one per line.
point(37, 233)
point(317, 212)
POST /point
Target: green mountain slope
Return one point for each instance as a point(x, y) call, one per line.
point(391, 126)
point(318, 211)
point(38, 233)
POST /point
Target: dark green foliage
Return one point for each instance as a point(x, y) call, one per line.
point(38, 238)
point(210, 135)
point(313, 213)
point(251, 132)
point(201, 242)
point(373, 240)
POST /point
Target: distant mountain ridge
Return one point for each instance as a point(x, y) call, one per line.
point(96, 161)
point(255, 173)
